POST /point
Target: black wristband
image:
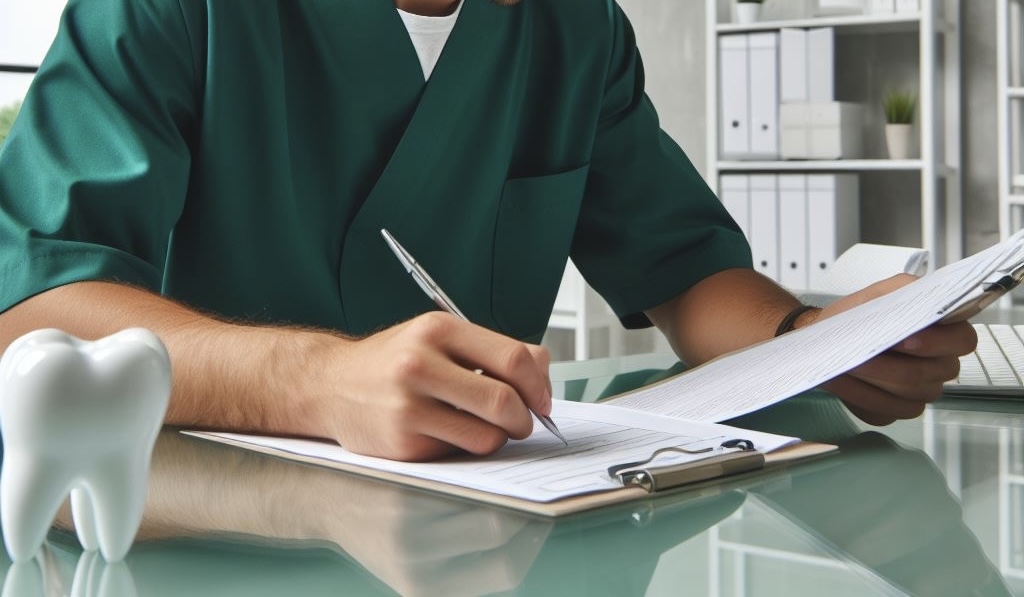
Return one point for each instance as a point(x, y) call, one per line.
point(786, 325)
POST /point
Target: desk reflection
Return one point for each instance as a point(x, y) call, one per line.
point(981, 454)
point(876, 518)
point(881, 513)
point(220, 515)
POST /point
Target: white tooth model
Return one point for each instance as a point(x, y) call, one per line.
point(81, 418)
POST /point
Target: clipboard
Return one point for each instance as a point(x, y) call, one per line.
point(699, 475)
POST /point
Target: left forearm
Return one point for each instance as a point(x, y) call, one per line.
point(724, 312)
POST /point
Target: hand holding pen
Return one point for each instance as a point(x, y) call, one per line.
point(432, 290)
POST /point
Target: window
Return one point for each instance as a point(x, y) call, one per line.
point(26, 31)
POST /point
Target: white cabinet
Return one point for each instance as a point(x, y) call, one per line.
point(732, 102)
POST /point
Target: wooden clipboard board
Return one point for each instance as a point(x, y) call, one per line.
point(704, 473)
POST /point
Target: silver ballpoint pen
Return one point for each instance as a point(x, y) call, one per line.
point(432, 290)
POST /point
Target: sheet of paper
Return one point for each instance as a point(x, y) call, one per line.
point(540, 468)
point(761, 375)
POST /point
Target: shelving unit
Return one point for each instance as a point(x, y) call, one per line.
point(1010, 83)
point(938, 115)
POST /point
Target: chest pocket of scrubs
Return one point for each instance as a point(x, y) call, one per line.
point(536, 220)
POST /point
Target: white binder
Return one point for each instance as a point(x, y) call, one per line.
point(792, 65)
point(764, 224)
point(793, 231)
point(763, 51)
point(833, 221)
point(821, 64)
point(735, 194)
point(734, 128)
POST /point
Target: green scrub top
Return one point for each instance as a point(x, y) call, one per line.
point(242, 157)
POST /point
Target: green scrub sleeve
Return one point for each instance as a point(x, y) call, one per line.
point(94, 173)
point(650, 227)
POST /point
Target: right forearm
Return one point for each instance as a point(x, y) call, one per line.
point(225, 375)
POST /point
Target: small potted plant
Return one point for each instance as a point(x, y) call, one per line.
point(899, 107)
point(7, 114)
point(748, 11)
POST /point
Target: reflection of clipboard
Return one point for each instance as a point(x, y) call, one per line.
point(720, 464)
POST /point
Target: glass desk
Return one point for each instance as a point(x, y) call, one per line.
point(932, 506)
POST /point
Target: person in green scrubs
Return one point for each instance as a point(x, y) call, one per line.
point(219, 172)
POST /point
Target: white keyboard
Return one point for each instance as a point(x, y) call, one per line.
point(996, 368)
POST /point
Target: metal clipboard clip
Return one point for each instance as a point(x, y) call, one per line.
point(973, 301)
point(740, 457)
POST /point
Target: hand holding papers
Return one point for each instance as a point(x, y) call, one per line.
point(763, 374)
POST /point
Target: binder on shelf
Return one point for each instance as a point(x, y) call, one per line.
point(763, 72)
point(821, 64)
point(793, 65)
point(833, 222)
point(764, 224)
point(733, 78)
point(793, 230)
point(734, 190)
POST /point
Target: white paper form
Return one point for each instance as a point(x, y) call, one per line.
point(766, 373)
point(541, 468)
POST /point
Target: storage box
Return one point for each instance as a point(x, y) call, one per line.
point(881, 7)
point(829, 8)
point(820, 130)
point(908, 6)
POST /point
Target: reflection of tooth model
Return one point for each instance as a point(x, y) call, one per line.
point(79, 417)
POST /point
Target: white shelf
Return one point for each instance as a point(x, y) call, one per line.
point(937, 65)
point(819, 165)
point(851, 23)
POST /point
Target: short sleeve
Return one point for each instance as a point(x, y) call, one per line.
point(95, 171)
point(650, 227)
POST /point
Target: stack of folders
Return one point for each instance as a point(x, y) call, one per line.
point(668, 435)
point(797, 224)
point(777, 98)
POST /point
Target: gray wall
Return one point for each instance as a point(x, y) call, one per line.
point(670, 34)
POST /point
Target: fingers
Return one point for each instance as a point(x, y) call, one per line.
point(522, 366)
point(872, 404)
point(955, 339)
point(914, 378)
point(429, 398)
point(894, 386)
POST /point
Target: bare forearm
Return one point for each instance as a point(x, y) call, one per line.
point(722, 313)
point(224, 375)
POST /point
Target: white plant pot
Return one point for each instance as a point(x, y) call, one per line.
point(748, 12)
point(898, 138)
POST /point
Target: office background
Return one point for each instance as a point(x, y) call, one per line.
point(671, 36)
